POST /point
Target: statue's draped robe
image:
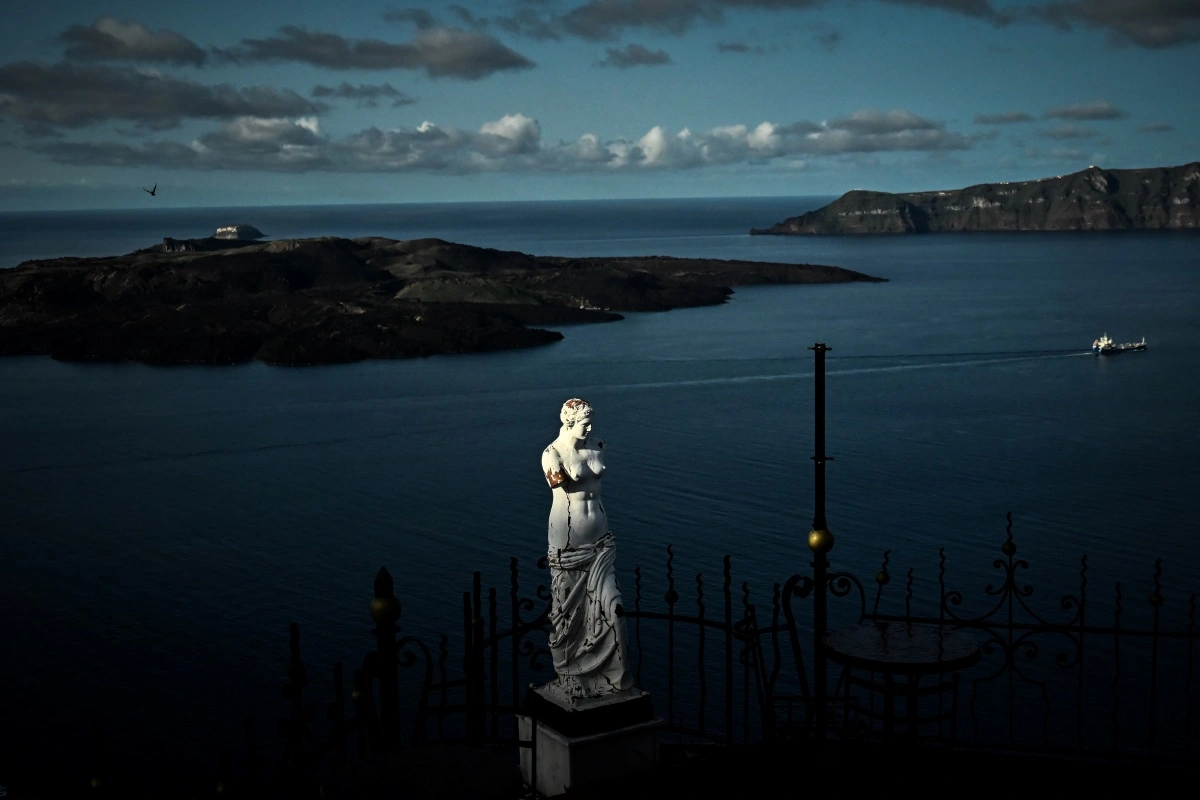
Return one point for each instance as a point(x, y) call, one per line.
point(588, 641)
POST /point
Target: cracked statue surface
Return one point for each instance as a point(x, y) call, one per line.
point(587, 640)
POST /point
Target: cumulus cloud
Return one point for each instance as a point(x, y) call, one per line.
point(292, 145)
point(1006, 118)
point(70, 96)
point(441, 52)
point(1145, 23)
point(127, 40)
point(1085, 111)
point(514, 143)
point(1068, 132)
point(634, 55)
point(250, 143)
point(367, 95)
point(510, 135)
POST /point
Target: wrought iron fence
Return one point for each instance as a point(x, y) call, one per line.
point(1085, 677)
point(720, 670)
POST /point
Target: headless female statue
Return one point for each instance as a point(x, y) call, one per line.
point(588, 642)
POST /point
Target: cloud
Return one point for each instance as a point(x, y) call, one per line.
point(250, 143)
point(420, 18)
point(526, 22)
point(872, 131)
point(441, 52)
point(1146, 23)
point(634, 55)
point(1006, 118)
point(872, 122)
point(513, 143)
point(367, 95)
point(828, 39)
point(1068, 132)
point(1157, 127)
point(467, 17)
point(71, 96)
point(980, 9)
point(423, 19)
point(606, 19)
point(117, 154)
point(1085, 111)
point(291, 145)
point(739, 47)
point(512, 134)
point(126, 40)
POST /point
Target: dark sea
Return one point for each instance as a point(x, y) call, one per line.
point(160, 527)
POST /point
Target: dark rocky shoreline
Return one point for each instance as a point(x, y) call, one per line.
point(1094, 199)
point(330, 300)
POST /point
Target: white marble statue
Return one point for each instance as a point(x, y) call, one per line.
point(588, 643)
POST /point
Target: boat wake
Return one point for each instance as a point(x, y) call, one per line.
point(833, 371)
point(961, 355)
point(966, 363)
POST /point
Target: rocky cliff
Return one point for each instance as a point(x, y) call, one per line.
point(328, 300)
point(1093, 199)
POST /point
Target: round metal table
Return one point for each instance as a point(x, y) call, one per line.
point(908, 651)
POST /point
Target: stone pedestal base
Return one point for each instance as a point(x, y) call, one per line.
point(581, 740)
point(567, 762)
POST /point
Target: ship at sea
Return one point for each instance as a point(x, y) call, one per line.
point(1105, 346)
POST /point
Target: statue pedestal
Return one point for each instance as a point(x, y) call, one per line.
point(588, 740)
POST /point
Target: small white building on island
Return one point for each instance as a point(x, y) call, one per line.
point(239, 231)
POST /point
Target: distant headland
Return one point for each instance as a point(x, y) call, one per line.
point(331, 300)
point(1093, 199)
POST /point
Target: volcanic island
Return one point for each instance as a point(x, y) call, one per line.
point(326, 300)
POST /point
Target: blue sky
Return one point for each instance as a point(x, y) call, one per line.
point(275, 103)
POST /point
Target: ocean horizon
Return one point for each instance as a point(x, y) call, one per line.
point(520, 225)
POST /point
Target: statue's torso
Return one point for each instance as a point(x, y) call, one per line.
point(576, 512)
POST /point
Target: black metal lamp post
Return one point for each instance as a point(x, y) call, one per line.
point(820, 540)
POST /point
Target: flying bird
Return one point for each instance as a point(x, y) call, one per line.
point(152, 192)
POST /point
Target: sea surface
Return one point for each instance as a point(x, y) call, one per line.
point(161, 527)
